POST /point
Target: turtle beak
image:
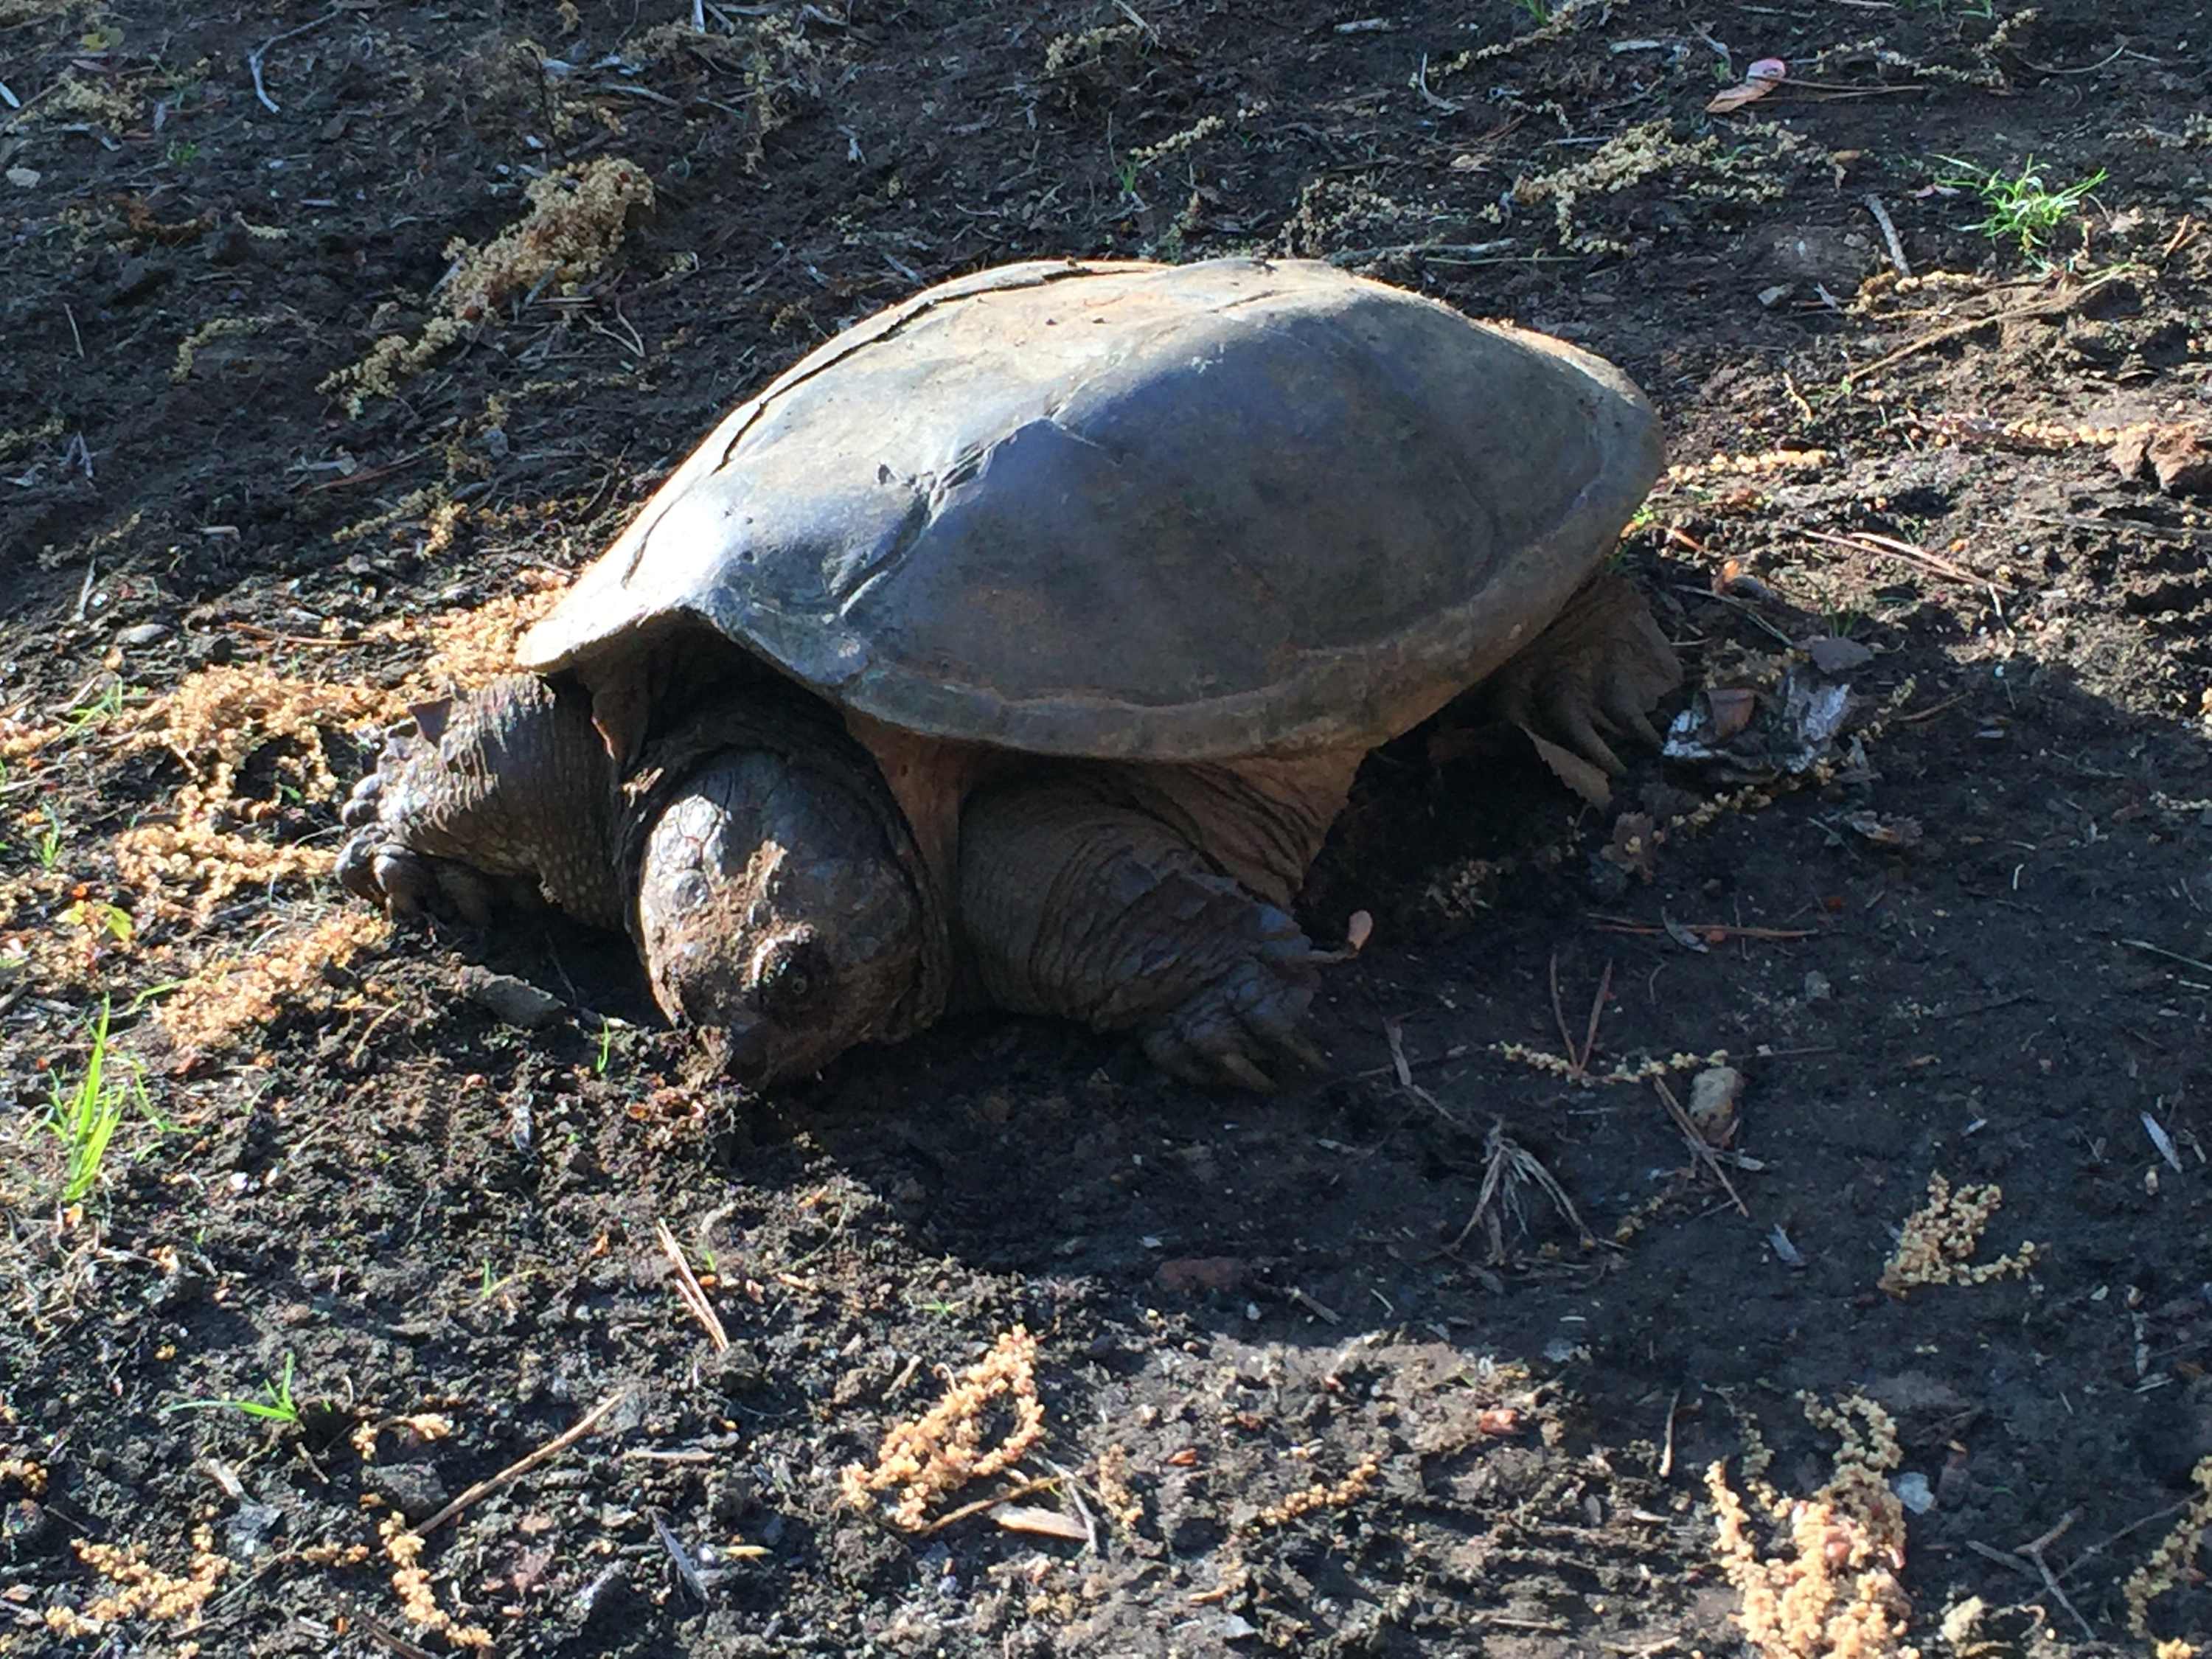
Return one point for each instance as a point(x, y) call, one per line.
point(747, 1051)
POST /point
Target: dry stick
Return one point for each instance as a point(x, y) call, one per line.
point(982, 1503)
point(1919, 557)
point(1597, 1011)
point(1705, 930)
point(2051, 306)
point(514, 1471)
point(1889, 234)
point(253, 58)
point(1667, 1449)
point(2171, 956)
point(687, 1287)
point(2033, 1551)
point(1699, 1149)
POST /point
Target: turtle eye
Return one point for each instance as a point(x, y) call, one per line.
point(790, 975)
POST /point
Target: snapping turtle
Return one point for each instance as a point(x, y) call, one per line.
point(1019, 646)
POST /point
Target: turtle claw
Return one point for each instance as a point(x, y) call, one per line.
point(1243, 1030)
point(1594, 674)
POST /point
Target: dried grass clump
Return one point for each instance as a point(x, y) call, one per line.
point(143, 1590)
point(942, 1452)
point(1751, 163)
point(1938, 1240)
point(2162, 1571)
point(20, 739)
point(220, 328)
point(1742, 466)
point(226, 997)
point(1120, 1497)
point(468, 648)
point(577, 219)
point(215, 722)
point(1833, 1593)
point(412, 1582)
point(24, 1471)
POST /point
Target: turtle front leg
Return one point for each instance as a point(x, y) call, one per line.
point(508, 781)
point(1076, 904)
point(1595, 674)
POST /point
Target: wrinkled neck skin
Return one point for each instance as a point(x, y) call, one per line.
point(782, 906)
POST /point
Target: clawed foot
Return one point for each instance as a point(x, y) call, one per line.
point(505, 791)
point(377, 863)
point(1245, 1028)
point(1592, 677)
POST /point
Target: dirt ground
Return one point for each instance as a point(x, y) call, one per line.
point(333, 337)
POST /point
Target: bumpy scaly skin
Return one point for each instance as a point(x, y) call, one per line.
point(1096, 895)
point(779, 902)
point(1595, 673)
point(510, 781)
point(1074, 905)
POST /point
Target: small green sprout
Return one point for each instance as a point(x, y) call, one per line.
point(2022, 205)
point(274, 1404)
point(86, 1115)
point(50, 840)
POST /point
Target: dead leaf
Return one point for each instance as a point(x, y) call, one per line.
point(1571, 769)
point(1732, 707)
point(1715, 1094)
point(2179, 455)
point(1885, 831)
point(1832, 655)
point(1045, 1523)
point(1761, 78)
point(1203, 1272)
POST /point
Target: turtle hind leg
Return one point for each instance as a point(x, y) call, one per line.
point(509, 782)
point(1591, 678)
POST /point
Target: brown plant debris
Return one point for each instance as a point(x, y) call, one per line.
point(1122, 1503)
point(2164, 1568)
point(1938, 1240)
point(228, 996)
point(214, 723)
point(577, 219)
point(143, 1589)
point(1322, 1495)
point(1833, 1592)
point(941, 1452)
point(411, 1580)
point(24, 1473)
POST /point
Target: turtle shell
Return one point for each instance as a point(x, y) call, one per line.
point(1161, 512)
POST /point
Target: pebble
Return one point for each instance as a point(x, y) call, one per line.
point(516, 1001)
point(142, 634)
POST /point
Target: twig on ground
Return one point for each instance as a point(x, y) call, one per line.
point(522, 1466)
point(1889, 234)
point(253, 58)
point(1699, 1149)
point(1866, 541)
point(688, 1287)
point(2050, 308)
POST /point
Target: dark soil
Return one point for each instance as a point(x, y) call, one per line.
point(413, 1208)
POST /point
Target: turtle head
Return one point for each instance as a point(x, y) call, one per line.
point(775, 914)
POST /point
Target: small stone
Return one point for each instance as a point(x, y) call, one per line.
point(516, 1001)
point(142, 634)
point(1817, 987)
point(1714, 1094)
point(415, 1490)
point(1913, 1491)
point(247, 1535)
